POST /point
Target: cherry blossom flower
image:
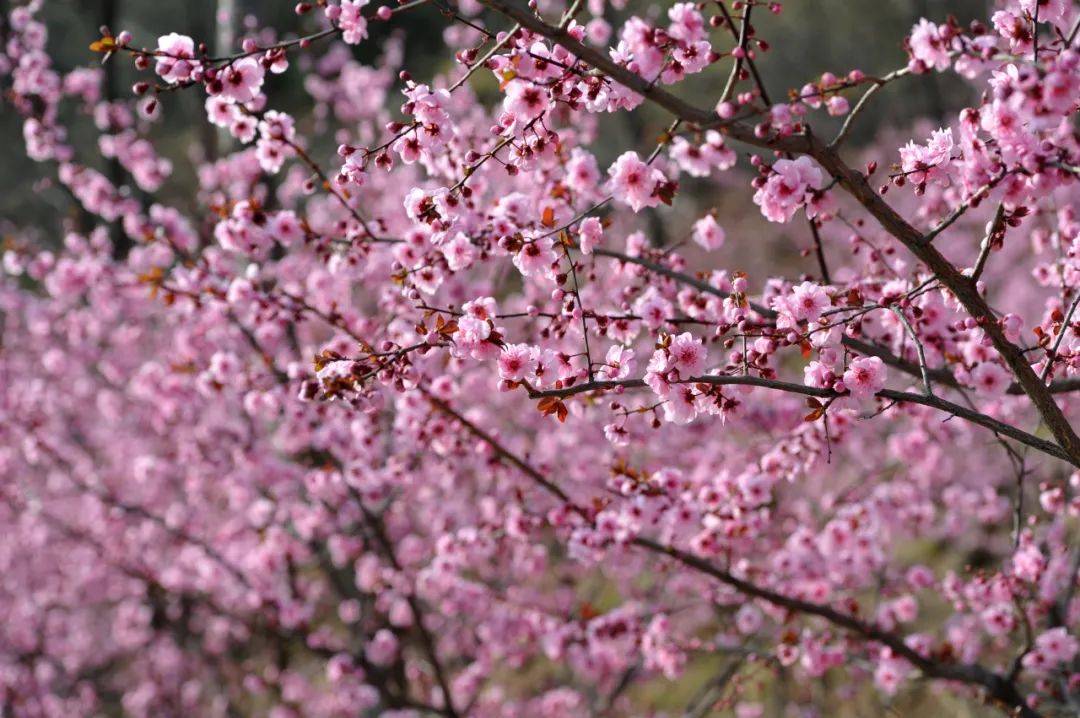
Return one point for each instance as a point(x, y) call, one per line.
point(582, 173)
point(618, 363)
point(1058, 12)
point(700, 160)
point(708, 233)
point(991, 379)
point(220, 111)
point(350, 19)
point(459, 252)
point(536, 258)
point(268, 398)
point(930, 162)
point(635, 183)
point(680, 406)
point(787, 188)
point(241, 82)
point(590, 234)
point(1052, 648)
point(383, 646)
point(516, 362)
point(654, 309)
point(864, 377)
point(890, 673)
point(525, 101)
point(688, 354)
point(930, 45)
point(176, 61)
point(808, 301)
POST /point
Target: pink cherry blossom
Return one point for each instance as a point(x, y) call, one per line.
point(787, 188)
point(808, 301)
point(350, 19)
point(525, 100)
point(701, 160)
point(708, 233)
point(688, 355)
point(590, 234)
point(535, 258)
point(1057, 12)
point(618, 363)
point(389, 401)
point(635, 183)
point(925, 163)
point(929, 45)
point(176, 61)
point(991, 379)
point(241, 82)
point(516, 362)
point(864, 377)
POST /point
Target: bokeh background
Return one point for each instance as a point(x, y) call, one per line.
point(808, 37)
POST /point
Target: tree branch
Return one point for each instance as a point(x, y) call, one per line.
point(939, 375)
point(996, 686)
point(856, 185)
point(975, 417)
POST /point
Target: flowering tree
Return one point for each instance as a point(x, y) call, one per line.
point(437, 426)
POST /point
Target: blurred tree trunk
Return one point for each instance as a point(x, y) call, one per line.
point(228, 17)
point(109, 13)
point(933, 88)
point(225, 37)
point(226, 20)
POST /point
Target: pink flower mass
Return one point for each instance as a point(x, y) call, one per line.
point(176, 57)
point(788, 187)
point(241, 81)
point(865, 377)
point(634, 182)
point(477, 360)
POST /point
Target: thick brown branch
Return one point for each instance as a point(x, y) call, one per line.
point(852, 181)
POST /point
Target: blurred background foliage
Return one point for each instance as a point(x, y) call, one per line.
point(807, 38)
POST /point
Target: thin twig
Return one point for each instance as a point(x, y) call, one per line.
point(920, 351)
point(997, 225)
point(1050, 355)
point(936, 402)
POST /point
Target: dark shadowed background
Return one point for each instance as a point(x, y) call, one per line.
point(808, 37)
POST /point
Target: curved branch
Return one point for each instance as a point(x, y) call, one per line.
point(938, 375)
point(997, 687)
point(933, 401)
point(853, 182)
